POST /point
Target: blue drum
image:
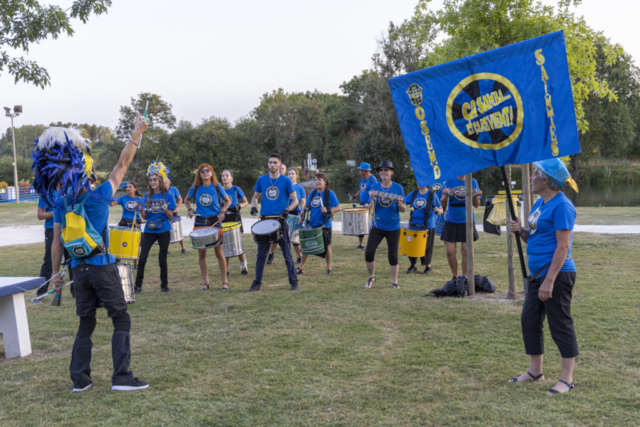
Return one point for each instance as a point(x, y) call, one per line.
point(440, 225)
point(294, 226)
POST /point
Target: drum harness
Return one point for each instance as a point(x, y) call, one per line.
point(430, 195)
point(307, 209)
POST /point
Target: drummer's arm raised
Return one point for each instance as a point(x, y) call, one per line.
point(444, 201)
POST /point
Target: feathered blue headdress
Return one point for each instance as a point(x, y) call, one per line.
point(159, 169)
point(61, 158)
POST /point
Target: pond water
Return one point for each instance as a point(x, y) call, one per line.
point(614, 195)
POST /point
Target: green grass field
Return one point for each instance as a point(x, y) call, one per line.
point(334, 353)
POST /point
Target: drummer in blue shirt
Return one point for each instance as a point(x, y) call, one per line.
point(157, 209)
point(455, 221)
point(279, 198)
point(366, 182)
point(238, 201)
point(176, 213)
point(322, 205)
point(45, 213)
point(130, 203)
point(385, 222)
point(553, 272)
point(426, 208)
point(208, 195)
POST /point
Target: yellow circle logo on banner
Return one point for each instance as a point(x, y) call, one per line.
point(485, 111)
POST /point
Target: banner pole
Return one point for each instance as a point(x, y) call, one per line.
point(507, 187)
point(468, 184)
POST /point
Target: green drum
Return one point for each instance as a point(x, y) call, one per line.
point(311, 241)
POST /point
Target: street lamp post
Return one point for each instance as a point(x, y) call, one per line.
point(16, 112)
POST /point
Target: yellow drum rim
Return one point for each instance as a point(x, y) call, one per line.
point(356, 210)
point(228, 226)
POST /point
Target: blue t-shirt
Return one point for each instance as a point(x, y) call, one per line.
point(545, 219)
point(42, 204)
point(456, 211)
point(127, 203)
point(365, 187)
point(302, 194)
point(420, 209)
point(175, 193)
point(235, 194)
point(207, 199)
point(97, 209)
point(387, 214)
point(157, 220)
point(275, 194)
point(316, 217)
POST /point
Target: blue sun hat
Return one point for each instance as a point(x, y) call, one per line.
point(557, 171)
point(364, 167)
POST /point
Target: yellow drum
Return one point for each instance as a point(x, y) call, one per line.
point(413, 240)
point(124, 243)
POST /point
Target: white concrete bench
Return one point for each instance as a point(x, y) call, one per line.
point(13, 314)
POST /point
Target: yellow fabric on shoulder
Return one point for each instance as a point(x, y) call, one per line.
point(75, 229)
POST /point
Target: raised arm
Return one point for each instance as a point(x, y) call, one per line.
point(127, 153)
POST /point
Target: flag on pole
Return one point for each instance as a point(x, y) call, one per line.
point(510, 105)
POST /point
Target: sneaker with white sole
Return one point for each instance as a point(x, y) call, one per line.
point(80, 389)
point(134, 384)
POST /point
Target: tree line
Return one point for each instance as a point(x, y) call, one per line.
point(360, 123)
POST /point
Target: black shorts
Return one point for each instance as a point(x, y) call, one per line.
point(457, 232)
point(233, 216)
point(326, 236)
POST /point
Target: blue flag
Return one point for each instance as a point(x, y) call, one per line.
point(510, 105)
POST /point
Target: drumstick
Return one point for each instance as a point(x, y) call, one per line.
point(350, 197)
point(146, 110)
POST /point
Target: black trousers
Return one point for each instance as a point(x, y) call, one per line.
point(93, 282)
point(557, 310)
point(47, 266)
point(285, 246)
point(426, 259)
point(147, 241)
point(375, 237)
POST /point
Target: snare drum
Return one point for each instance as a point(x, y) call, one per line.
point(123, 242)
point(293, 221)
point(413, 240)
point(356, 222)
point(176, 231)
point(266, 231)
point(232, 239)
point(126, 279)
point(205, 238)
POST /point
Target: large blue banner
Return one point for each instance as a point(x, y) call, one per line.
point(510, 105)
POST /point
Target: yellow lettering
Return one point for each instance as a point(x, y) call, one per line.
point(466, 110)
point(474, 112)
point(470, 128)
point(436, 172)
point(539, 57)
point(428, 141)
point(500, 97)
point(432, 157)
point(425, 128)
point(545, 77)
point(420, 113)
point(507, 117)
point(480, 104)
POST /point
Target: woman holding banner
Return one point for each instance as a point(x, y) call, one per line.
point(553, 272)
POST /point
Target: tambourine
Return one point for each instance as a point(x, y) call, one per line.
point(461, 192)
point(385, 195)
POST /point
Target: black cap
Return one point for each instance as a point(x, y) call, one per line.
point(385, 164)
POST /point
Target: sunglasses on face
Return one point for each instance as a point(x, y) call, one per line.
point(384, 170)
point(205, 171)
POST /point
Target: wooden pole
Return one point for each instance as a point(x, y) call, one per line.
point(468, 184)
point(523, 267)
point(511, 294)
point(527, 202)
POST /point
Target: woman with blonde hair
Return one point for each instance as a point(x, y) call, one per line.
point(208, 195)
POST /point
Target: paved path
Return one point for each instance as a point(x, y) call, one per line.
point(35, 233)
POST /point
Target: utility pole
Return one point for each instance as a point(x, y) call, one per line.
point(16, 112)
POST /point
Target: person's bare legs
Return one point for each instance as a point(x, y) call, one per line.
point(361, 240)
point(371, 266)
point(298, 251)
point(204, 268)
point(272, 248)
point(304, 261)
point(535, 368)
point(327, 257)
point(222, 264)
point(567, 374)
point(463, 250)
point(394, 273)
point(451, 257)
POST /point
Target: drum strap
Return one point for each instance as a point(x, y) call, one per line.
point(325, 203)
point(427, 213)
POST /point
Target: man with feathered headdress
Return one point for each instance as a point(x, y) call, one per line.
point(62, 162)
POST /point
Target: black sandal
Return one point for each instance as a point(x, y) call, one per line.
point(538, 378)
point(299, 270)
point(571, 387)
point(370, 282)
point(225, 286)
point(204, 287)
point(329, 272)
point(395, 286)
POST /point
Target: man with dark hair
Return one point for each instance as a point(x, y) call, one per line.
point(277, 190)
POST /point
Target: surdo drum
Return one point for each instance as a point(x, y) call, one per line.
point(266, 231)
point(413, 240)
point(176, 230)
point(232, 239)
point(124, 242)
point(126, 279)
point(356, 222)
